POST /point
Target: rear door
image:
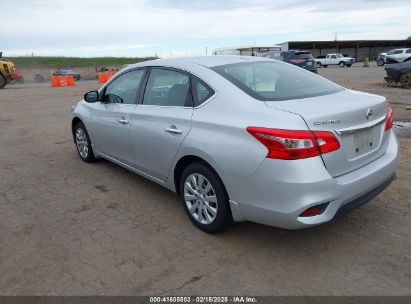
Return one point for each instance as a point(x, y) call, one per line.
point(161, 121)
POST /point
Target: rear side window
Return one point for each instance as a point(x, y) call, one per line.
point(408, 51)
point(201, 91)
point(167, 88)
point(271, 80)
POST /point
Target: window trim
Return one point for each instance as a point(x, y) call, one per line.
point(140, 86)
point(147, 76)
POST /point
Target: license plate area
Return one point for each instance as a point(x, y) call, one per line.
point(363, 142)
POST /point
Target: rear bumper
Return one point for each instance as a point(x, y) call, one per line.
point(279, 191)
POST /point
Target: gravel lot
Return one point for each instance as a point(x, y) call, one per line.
point(71, 228)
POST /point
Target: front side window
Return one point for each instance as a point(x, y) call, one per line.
point(270, 80)
point(167, 88)
point(124, 88)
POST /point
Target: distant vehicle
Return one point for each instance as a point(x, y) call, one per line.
point(267, 51)
point(334, 59)
point(399, 73)
point(381, 59)
point(59, 72)
point(398, 55)
point(300, 58)
point(8, 72)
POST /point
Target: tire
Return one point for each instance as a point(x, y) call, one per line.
point(348, 65)
point(325, 66)
point(39, 78)
point(318, 65)
point(210, 210)
point(83, 143)
point(405, 80)
point(3, 81)
point(341, 64)
point(380, 62)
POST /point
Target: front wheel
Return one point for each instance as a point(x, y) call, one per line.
point(380, 62)
point(341, 64)
point(319, 64)
point(83, 143)
point(204, 198)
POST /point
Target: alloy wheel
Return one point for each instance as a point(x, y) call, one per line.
point(82, 142)
point(200, 198)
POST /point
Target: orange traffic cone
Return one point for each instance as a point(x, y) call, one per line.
point(70, 81)
point(55, 81)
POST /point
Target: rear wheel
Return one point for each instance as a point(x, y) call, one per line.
point(204, 198)
point(325, 66)
point(341, 64)
point(2, 81)
point(348, 65)
point(405, 80)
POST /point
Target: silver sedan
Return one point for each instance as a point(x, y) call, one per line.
point(242, 138)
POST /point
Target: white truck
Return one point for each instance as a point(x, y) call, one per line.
point(334, 59)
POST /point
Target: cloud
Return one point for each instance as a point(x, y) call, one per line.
point(92, 27)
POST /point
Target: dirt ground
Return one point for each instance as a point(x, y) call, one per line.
point(71, 228)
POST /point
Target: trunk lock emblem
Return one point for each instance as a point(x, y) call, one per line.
point(369, 114)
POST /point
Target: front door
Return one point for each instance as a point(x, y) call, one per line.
point(112, 116)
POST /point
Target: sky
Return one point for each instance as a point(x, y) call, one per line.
point(172, 28)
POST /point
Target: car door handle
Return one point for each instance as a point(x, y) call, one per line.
point(174, 130)
point(123, 121)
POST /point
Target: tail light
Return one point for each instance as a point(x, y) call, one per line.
point(388, 118)
point(297, 60)
point(295, 144)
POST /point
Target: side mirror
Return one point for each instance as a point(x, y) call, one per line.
point(91, 96)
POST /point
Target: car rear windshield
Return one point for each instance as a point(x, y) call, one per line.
point(271, 80)
point(299, 55)
point(304, 56)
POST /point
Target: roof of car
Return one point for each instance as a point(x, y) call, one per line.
point(207, 61)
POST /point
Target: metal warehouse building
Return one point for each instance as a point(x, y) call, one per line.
point(358, 49)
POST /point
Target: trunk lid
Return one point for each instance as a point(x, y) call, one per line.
point(347, 114)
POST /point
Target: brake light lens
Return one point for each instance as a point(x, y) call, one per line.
point(297, 60)
point(388, 118)
point(294, 144)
